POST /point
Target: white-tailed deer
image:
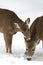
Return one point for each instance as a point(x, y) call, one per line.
point(36, 34)
point(10, 24)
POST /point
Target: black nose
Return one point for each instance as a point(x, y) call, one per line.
point(29, 59)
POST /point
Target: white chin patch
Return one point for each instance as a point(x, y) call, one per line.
point(26, 56)
point(17, 26)
point(28, 39)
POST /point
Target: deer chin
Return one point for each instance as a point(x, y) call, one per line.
point(28, 57)
point(27, 38)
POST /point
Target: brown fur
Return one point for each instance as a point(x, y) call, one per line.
point(36, 34)
point(9, 28)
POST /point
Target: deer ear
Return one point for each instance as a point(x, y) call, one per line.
point(27, 21)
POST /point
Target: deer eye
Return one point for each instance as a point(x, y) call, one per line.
point(26, 49)
point(33, 49)
point(28, 29)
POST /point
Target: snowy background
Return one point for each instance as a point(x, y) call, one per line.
point(24, 9)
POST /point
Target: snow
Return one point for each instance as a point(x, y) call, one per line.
point(18, 50)
point(24, 9)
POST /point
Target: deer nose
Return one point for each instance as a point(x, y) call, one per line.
point(28, 59)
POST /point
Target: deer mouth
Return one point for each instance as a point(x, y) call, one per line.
point(28, 57)
point(27, 38)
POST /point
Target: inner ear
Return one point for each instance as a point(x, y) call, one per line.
point(27, 21)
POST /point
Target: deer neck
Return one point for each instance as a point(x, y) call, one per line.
point(20, 24)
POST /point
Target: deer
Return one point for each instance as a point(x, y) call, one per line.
point(36, 34)
point(10, 24)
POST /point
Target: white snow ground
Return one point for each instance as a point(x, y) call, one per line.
point(18, 49)
point(24, 9)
